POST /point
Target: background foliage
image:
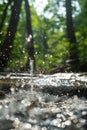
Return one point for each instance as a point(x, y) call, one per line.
point(50, 38)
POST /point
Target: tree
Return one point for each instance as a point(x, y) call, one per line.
point(11, 31)
point(74, 59)
point(81, 26)
point(4, 14)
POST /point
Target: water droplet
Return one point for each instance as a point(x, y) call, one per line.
point(29, 38)
point(0, 106)
point(82, 121)
point(10, 46)
point(27, 126)
point(84, 112)
point(68, 122)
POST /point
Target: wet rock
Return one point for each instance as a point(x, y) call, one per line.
point(85, 126)
point(2, 95)
point(21, 115)
point(5, 88)
point(6, 124)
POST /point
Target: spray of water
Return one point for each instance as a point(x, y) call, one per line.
point(31, 72)
point(31, 66)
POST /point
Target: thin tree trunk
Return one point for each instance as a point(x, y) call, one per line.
point(74, 60)
point(11, 31)
point(45, 42)
point(45, 45)
point(4, 14)
point(30, 45)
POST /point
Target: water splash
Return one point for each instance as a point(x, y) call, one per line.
point(41, 109)
point(31, 66)
point(31, 72)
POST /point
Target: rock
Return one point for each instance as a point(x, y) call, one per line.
point(2, 95)
point(6, 124)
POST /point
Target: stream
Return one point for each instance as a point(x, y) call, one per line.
point(43, 102)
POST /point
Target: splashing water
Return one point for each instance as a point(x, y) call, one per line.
point(31, 72)
point(31, 66)
point(41, 107)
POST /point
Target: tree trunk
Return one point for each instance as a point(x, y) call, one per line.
point(45, 45)
point(4, 14)
point(11, 31)
point(74, 60)
point(30, 45)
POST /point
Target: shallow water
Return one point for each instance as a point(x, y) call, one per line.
point(45, 103)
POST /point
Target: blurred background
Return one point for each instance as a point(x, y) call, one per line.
point(53, 34)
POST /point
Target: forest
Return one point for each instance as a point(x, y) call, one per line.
point(55, 39)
